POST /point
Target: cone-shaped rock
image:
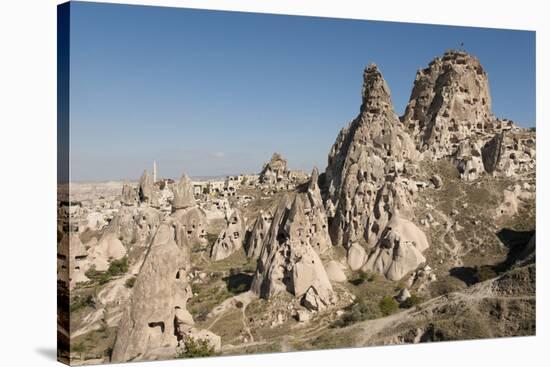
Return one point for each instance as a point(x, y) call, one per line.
point(183, 194)
point(371, 147)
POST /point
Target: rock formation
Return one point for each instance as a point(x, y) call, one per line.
point(146, 188)
point(335, 272)
point(230, 240)
point(72, 260)
point(316, 221)
point(450, 99)
point(183, 194)
point(129, 195)
point(373, 146)
point(289, 263)
point(108, 248)
point(449, 115)
point(399, 250)
point(255, 237)
point(187, 213)
point(275, 171)
point(156, 320)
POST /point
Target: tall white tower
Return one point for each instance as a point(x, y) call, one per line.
point(154, 171)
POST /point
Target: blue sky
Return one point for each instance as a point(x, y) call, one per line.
point(214, 93)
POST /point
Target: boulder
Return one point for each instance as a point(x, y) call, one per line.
point(436, 181)
point(357, 256)
point(335, 272)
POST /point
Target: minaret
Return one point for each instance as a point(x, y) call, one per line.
point(154, 171)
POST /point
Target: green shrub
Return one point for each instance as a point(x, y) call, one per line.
point(196, 348)
point(100, 277)
point(130, 282)
point(412, 301)
point(81, 302)
point(118, 267)
point(388, 305)
point(359, 311)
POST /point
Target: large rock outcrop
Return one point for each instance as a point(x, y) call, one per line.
point(449, 115)
point(449, 102)
point(108, 248)
point(156, 321)
point(399, 250)
point(188, 214)
point(255, 237)
point(275, 171)
point(183, 194)
point(129, 196)
point(72, 260)
point(288, 262)
point(372, 147)
point(231, 239)
point(146, 188)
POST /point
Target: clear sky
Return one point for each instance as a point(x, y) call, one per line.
point(214, 93)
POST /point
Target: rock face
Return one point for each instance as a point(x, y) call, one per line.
point(129, 195)
point(315, 217)
point(231, 239)
point(275, 171)
point(146, 188)
point(449, 115)
point(156, 321)
point(183, 194)
point(193, 222)
point(289, 263)
point(255, 238)
point(108, 248)
point(467, 159)
point(133, 225)
point(399, 250)
point(335, 272)
point(72, 260)
point(187, 213)
point(510, 153)
point(373, 146)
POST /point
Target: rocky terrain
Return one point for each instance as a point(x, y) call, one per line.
point(421, 228)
